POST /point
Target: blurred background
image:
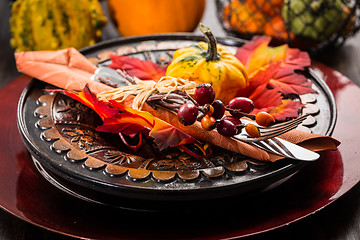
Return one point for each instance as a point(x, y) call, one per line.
point(320, 27)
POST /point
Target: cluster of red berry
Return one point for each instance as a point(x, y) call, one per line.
point(210, 113)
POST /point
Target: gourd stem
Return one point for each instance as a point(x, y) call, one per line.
point(212, 54)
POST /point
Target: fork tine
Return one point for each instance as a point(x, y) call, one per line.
point(295, 120)
point(291, 123)
point(272, 134)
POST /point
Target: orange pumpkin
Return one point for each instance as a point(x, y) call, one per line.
point(155, 16)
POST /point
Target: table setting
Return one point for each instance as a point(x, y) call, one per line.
point(222, 131)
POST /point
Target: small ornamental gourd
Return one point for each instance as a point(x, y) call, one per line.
point(210, 63)
point(55, 24)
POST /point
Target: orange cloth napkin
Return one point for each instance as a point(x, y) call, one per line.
point(69, 69)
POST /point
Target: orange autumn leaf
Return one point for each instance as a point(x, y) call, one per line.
point(149, 120)
point(144, 70)
point(256, 54)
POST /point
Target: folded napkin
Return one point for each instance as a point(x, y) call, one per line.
point(70, 70)
point(67, 69)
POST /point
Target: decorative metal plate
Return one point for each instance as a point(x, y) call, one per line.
point(60, 134)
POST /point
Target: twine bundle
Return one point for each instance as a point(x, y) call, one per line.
point(142, 90)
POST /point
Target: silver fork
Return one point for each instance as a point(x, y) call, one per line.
point(269, 141)
point(272, 131)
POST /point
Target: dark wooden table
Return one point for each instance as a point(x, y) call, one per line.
point(338, 221)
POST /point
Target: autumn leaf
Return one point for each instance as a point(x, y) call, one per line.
point(89, 99)
point(119, 118)
point(261, 77)
point(288, 109)
point(144, 70)
point(256, 54)
point(167, 135)
point(287, 79)
point(292, 85)
point(275, 73)
point(245, 52)
point(266, 98)
point(125, 123)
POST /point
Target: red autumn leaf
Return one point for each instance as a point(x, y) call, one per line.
point(170, 136)
point(266, 98)
point(286, 78)
point(113, 120)
point(124, 123)
point(89, 99)
point(290, 84)
point(298, 58)
point(261, 77)
point(288, 109)
point(145, 70)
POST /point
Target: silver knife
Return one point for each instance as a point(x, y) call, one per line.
point(286, 149)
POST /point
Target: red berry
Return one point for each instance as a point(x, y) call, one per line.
point(233, 119)
point(188, 113)
point(208, 123)
point(219, 109)
point(226, 128)
point(204, 94)
point(264, 119)
point(241, 104)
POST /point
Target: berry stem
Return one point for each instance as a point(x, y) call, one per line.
point(251, 116)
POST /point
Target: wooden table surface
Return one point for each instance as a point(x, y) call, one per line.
point(338, 221)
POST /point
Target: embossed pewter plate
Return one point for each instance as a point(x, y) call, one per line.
point(60, 135)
